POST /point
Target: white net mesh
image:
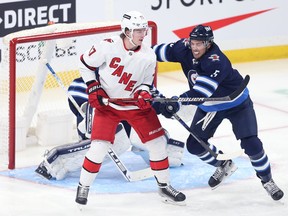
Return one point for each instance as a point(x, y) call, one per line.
point(36, 90)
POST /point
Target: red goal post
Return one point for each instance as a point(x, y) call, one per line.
point(25, 83)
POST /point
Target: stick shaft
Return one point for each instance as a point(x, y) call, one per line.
point(223, 156)
point(230, 97)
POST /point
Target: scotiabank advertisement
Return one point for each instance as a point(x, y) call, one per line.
point(237, 24)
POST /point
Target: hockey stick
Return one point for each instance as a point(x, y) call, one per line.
point(222, 156)
point(230, 97)
point(129, 175)
point(60, 83)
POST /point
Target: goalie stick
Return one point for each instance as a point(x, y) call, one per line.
point(230, 97)
point(128, 175)
point(222, 156)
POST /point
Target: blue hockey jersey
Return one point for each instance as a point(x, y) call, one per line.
point(215, 76)
point(77, 90)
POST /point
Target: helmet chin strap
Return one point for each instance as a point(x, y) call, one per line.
point(131, 41)
point(131, 38)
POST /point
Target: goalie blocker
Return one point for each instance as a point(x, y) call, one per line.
point(63, 160)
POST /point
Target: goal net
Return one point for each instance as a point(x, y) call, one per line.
point(32, 102)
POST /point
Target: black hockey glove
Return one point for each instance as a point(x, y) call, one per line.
point(169, 108)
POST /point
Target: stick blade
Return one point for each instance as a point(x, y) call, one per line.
point(241, 88)
point(140, 174)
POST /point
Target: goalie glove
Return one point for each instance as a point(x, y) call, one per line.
point(96, 94)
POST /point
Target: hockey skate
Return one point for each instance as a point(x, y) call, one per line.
point(171, 195)
point(82, 194)
point(226, 169)
point(273, 190)
point(43, 172)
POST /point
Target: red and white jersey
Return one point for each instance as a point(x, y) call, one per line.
point(121, 71)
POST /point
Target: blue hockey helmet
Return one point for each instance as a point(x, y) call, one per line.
point(202, 33)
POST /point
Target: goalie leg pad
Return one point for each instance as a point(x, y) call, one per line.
point(175, 151)
point(61, 160)
point(42, 171)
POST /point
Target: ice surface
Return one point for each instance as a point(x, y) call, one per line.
point(23, 193)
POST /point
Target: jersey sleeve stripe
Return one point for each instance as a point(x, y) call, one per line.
point(78, 94)
point(202, 90)
point(86, 65)
point(78, 85)
point(160, 51)
point(211, 106)
point(207, 81)
point(163, 52)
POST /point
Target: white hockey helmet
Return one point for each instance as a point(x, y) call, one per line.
point(133, 20)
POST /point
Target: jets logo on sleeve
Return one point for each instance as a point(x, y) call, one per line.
point(214, 57)
point(192, 75)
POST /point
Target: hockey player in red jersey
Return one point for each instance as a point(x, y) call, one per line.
point(62, 161)
point(126, 70)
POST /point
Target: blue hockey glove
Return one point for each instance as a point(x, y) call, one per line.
point(169, 108)
point(156, 105)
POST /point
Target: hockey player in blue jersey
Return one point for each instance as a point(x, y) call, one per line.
point(210, 74)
